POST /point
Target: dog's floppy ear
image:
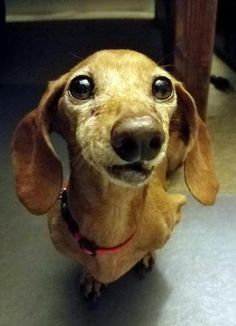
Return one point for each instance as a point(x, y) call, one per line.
point(38, 171)
point(199, 168)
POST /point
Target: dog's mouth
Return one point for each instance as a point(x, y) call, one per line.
point(132, 173)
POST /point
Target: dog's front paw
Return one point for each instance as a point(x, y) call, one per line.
point(145, 265)
point(90, 288)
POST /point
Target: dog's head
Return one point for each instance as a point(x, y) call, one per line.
point(120, 112)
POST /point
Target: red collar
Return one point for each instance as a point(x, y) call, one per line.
point(89, 247)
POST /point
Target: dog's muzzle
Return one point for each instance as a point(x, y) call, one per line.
point(136, 141)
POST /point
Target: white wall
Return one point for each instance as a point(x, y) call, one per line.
point(31, 10)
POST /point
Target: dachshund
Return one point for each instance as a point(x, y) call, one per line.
point(128, 125)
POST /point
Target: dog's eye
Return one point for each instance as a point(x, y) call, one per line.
point(81, 87)
point(162, 88)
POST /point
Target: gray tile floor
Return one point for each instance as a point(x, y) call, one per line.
point(193, 282)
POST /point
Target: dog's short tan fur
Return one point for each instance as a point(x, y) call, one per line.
point(108, 210)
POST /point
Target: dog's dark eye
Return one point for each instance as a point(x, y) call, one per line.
point(81, 87)
point(162, 88)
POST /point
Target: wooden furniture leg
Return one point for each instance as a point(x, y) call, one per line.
point(194, 30)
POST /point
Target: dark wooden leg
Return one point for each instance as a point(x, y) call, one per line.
point(193, 46)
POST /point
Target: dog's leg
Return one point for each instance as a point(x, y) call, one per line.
point(145, 265)
point(90, 288)
point(179, 201)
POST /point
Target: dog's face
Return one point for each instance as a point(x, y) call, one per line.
point(121, 103)
point(122, 114)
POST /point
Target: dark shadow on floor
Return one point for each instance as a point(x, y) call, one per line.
point(130, 301)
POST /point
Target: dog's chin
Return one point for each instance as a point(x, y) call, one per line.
point(131, 174)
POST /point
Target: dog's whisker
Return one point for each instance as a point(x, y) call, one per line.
point(168, 66)
point(78, 161)
point(165, 57)
point(75, 56)
point(79, 156)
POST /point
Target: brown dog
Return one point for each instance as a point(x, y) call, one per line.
point(128, 124)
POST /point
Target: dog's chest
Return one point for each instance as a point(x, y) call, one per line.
point(150, 233)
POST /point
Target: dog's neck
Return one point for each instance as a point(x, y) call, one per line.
point(97, 204)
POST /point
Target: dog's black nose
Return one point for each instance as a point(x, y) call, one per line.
point(137, 139)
